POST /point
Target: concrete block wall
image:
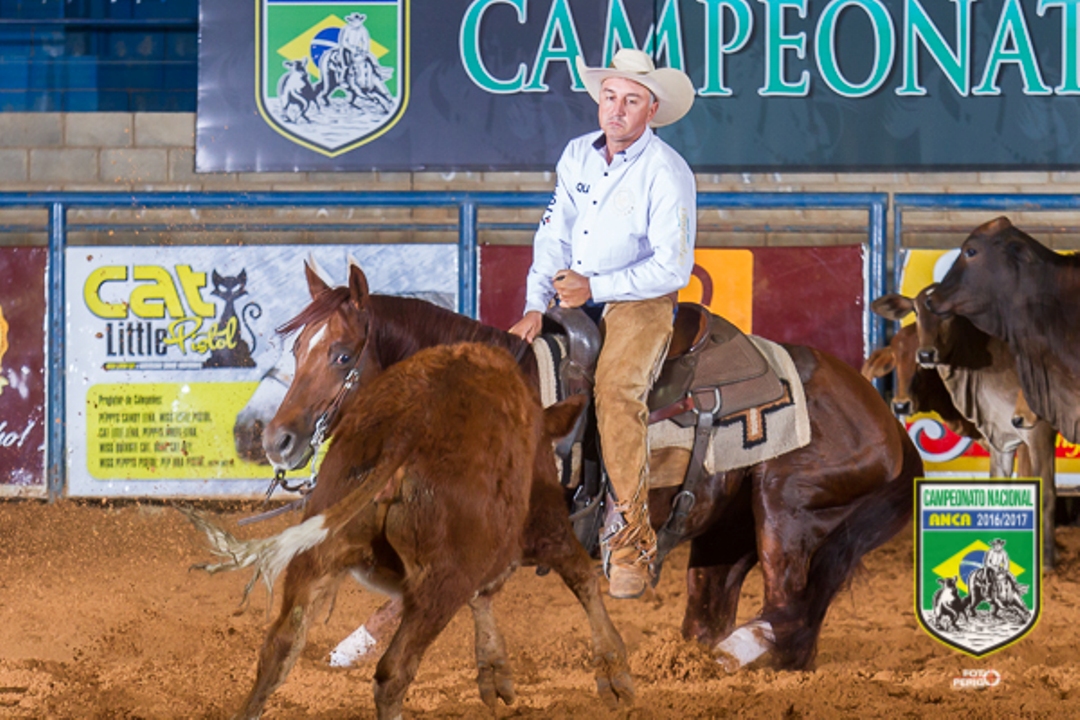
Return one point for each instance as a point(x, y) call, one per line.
point(156, 152)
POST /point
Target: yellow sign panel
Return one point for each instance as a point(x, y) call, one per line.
point(150, 431)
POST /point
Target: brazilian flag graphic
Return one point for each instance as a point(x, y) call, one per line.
point(978, 561)
point(332, 76)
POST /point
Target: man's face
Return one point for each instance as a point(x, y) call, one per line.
point(626, 107)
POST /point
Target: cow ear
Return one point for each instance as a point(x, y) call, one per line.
point(358, 286)
point(893, 306)
point(316, 285)
point(559, 419)
point(880, 363)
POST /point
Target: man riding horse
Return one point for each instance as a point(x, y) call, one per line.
point(618, 239)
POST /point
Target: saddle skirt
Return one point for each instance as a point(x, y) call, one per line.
point(749, 384)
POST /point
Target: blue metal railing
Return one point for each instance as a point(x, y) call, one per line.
point(997, 203)
point(468, 228)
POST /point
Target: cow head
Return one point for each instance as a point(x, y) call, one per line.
point(992, 272)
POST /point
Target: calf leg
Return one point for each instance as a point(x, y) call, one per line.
point(549, 541)
point(426, 611)
point(493, 668)
point(304, 589)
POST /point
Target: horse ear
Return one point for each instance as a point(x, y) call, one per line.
point(892, 306)
point(358, 286)
point(316, 285)
point(559, 419)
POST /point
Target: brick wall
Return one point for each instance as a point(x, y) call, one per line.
point(155, 152)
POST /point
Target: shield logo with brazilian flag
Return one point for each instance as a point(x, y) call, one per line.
point(978, 561)
point(332, 76)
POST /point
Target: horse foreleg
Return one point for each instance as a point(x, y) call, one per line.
point(493, 674)
point(304, 589)
point(746, 644)
point(713, 600)
point(549, 541)
point(427, 610)
point(363, 641)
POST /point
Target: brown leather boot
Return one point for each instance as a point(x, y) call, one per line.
point(628, 574)
point(629, 545)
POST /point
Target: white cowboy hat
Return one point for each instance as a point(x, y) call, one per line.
point(672, 88)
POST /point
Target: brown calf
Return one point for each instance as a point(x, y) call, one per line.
point(424, 494)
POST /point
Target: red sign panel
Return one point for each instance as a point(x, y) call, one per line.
point(22, 370)
point(804, 295)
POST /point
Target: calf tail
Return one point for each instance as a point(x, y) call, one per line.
point(878, 517)
point(270, 556)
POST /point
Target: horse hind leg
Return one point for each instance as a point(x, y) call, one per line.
point(304, 591)
point(494, 676)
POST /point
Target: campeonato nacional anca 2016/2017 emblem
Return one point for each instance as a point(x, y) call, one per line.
point(332, 76)
point(978, 561)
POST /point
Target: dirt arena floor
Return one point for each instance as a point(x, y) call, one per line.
point(100, 618)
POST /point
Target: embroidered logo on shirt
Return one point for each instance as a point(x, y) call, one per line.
point(582, 188)
point(624, 202)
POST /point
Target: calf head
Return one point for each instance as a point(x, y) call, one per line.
point(902, 349)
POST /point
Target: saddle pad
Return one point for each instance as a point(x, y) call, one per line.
point(754, 435)
point(550, 350)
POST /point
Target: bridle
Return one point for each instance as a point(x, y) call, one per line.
point(322, 425)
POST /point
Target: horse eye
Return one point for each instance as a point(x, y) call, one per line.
point(342, 358)
point(970, 252)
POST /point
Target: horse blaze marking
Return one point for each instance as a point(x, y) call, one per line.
point(316, 338)
point(978, 561)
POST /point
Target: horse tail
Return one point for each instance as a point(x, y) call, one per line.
point(876, 519)
point(270, 556)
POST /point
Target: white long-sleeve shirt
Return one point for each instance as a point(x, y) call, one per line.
point(629, 226)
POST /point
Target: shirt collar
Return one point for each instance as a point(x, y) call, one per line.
point(631, 152)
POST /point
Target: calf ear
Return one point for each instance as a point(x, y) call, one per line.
point(559, 419)
point(880, 363)
point(893, 306)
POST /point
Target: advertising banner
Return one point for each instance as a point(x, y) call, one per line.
point(946, 454)
point(781, 84)
point(22, 370)
point(804, 295)
point(173, 358)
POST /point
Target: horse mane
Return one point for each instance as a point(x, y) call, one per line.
point(321, 307)
point(406, 325)
point(402, 326)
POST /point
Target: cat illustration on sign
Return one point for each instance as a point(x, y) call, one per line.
point(236, 351)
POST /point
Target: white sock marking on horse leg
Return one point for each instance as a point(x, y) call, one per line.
point(352, 648)
point(746, 645)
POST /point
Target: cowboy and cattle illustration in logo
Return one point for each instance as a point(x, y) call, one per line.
point(332, 76)
point(978, 561)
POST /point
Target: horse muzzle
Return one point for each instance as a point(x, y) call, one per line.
point(286, 449)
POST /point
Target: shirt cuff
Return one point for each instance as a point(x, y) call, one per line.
point(600, 286)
